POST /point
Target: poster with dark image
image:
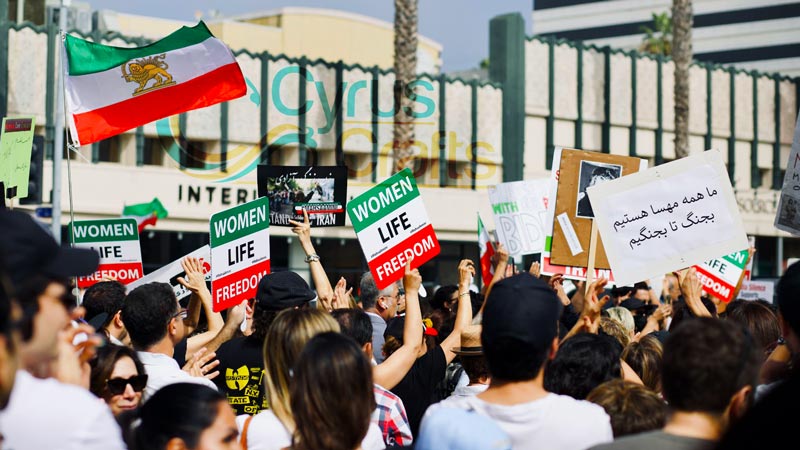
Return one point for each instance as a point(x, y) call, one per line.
point(320, 190)
point(591, 174)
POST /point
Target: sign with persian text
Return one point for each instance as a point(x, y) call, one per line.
point(788, 216)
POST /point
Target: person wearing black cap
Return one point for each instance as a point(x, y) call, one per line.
point(520, 333)
point(39, 268)
point(241, 362)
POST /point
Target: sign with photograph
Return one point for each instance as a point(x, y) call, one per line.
point(788, 217)
point(117, 242)
point(16, 143)
point(239, 252)
point(320, 190)
point(392, 226)
point(171, 272)
point(520, 210)
point(668, 218)
point(580, 170)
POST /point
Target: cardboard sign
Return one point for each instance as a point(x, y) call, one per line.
point(171, 272)
point(239, 252)
point(788, 216)
point(668, 218)
point(117, 242)
point(757, 290)
point(392, 226)
point(720, 276)
point(520, 210)
point(578, 170)
point(15, 155)
point(321, 190)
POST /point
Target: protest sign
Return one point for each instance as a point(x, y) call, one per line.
point(787, 219)
point(520, 210)
point(392, 226)
point(15, 155)
point(171, 272)
point(239, 252)
point(757, 290)
point(573, 211)
point(668, 218)
point(321, 190)
point(721, 276)
point(117, 242)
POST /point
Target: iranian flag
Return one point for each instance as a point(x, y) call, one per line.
point(487, 251)
point(110, 90)
point(145, 213)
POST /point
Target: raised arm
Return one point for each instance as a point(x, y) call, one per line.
point(201, 299)
point(692, 289)
point(466, 270)
point(589, 320)
point(321, 282)
point(501, 256)
point(394, 368)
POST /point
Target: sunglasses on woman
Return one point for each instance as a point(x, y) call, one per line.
point(117, 386)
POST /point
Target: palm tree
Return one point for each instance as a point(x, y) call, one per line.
point(657, 40)
point(682, 56)
point(405, 68)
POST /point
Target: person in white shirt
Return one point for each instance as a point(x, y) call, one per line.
point(520, 332)
point(155, 322)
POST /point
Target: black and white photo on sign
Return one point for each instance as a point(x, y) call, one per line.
point(788, 215)
point(592, 174)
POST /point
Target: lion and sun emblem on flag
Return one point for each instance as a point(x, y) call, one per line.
point(145, 69)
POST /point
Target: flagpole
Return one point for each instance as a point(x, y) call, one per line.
point(58, 152)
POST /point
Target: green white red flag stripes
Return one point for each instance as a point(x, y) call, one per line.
point(392, 227)
point(145, 213)
point(110, 90)
point(721, 276)
point(486, 250)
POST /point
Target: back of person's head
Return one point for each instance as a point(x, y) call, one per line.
point(289, 333)
point(631, 407)
point(332, 395)
point(147, 312)
point(354, 323)
point(475, 367)
point(177, 411)
point(681, 311)
point(759, 320)
point(582, 363)
point(612, 327)
point(706, 362)
point(103, 298)
point(369, 292)
point(623, 315)
point(520, 324)
point(786, 297)
point(644, 357)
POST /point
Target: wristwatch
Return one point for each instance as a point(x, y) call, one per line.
point(312, 257)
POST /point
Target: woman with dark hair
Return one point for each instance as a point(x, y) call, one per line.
point(583, 362)
point(118, 377)
point(330, 368)
point(182, 416)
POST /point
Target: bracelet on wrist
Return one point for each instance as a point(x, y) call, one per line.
point(312, 257)
point(463, 294)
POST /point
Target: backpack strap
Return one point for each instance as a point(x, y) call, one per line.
point(243, 440)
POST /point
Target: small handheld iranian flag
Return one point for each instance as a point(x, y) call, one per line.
point(110, 90)
point(145, 213)
point(486, 249)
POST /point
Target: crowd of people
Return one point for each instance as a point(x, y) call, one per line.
point(526, 363)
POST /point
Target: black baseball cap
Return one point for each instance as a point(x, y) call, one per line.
point(632, 304)
point(282, 290)
point(27, 250)
point(523, 308)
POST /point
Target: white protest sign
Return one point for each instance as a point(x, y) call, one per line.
point(755, 290)
point(169, 274)
point(520, 210)
point(720, 276)
point(239, 252)
point(788, 216)
point(668, 218)
point(392, 226)
point(117, 242)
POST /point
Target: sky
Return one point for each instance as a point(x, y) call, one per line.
point(460, 26)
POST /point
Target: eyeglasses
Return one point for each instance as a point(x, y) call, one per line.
point(117, 386)
point(182, 314)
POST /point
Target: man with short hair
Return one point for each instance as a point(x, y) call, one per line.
point(155, 322)
point(709, 373)
point(103, 302)
point(520, 333)
point(380, 305)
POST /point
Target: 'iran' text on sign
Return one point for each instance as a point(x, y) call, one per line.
point(392, 226)
point(117, 242)
point(239, 252)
